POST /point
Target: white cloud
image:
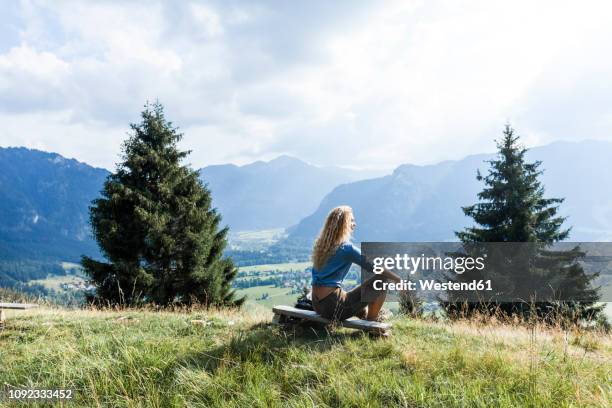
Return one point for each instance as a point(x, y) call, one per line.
point(207, 19)
point(28, 62)
point(371, 84)
point(30, 79)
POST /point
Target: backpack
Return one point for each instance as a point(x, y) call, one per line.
point(304, 301)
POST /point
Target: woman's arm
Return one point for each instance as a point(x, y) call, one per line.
point(354, 255)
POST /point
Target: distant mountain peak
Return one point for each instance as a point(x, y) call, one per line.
point(285, 158)
point(270, 194)
point(27, 153)
point(278, 162)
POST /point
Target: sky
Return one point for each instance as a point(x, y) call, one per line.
point(361, 84)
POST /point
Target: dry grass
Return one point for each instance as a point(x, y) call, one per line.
point(196, 357)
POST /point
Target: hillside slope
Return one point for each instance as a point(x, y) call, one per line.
point(44, 200)
point(423, 203)
point(236, 359)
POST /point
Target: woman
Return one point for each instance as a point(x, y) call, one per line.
point(332, 257)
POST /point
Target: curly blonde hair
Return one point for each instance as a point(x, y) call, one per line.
point(336, 230)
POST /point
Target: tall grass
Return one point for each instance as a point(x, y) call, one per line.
point(11, 296)
point(199, 358)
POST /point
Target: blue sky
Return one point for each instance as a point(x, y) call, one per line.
point(364, 84)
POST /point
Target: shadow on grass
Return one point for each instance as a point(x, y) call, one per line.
point(265, 343)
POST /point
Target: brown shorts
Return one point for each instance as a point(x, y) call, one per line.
point(340, 305)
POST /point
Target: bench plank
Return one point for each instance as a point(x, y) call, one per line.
point(17, 306)
point(352, 323)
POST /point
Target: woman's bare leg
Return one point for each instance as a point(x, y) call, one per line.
point(371, 311)
point(375, 306)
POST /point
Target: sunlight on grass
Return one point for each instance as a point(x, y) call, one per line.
point(134, 358)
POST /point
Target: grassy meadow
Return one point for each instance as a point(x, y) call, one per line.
point(255, 239)
point(55, 281)
point(138, 358)
point(276, 296)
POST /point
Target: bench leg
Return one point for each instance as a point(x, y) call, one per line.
point(2, 319)
point(279, 319)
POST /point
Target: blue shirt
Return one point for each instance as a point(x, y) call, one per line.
point(337, 266)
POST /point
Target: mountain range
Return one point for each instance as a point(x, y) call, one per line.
point(44, 197)
point(273, 194)
point(423, 203)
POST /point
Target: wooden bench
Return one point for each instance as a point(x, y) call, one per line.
point(283, 314)
point(14, 306)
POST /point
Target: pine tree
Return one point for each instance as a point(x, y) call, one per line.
point(156, 228)
point(512, 209)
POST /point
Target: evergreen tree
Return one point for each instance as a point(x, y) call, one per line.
point(512, 209)
point(155, 226)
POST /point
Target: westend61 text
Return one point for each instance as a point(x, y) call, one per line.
point(433, 285)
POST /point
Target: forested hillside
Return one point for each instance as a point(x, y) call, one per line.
point(44, 200)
